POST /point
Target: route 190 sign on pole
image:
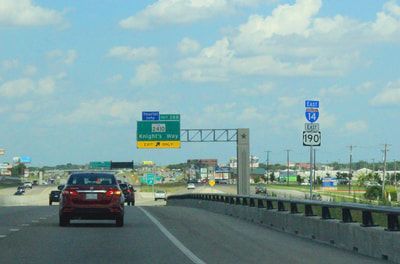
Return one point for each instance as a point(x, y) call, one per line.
point(311, 133)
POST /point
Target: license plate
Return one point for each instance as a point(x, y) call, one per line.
point(91, 196)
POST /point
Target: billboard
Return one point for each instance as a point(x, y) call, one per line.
point(25, 159)
point(122, 165)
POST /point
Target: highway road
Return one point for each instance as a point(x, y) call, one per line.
point(154, 234)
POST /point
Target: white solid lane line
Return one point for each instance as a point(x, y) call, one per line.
point(173, 239)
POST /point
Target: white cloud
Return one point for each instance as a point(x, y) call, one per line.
point(46, 86)
point(188, 46)
point(107, 110)
point(291, 41)
point(260, 90)
point(129, 53)
point(182, 12)
point(288, 101)
point(65, 57)
point(30, 70)
point(26, 86)
point(148, 73)
point(9, 64)
point(390, 95)
point(356, 126)
point(26, 13)
point(17, 88)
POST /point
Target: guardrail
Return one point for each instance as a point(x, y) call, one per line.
point(292, 206)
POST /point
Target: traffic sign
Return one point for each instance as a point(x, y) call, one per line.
point(311, 127)
point(158, 144)
point(312, 114)
point(312, 104)
point(150, 116)
point(158, 134)
point(311, 138)
point(211, 183)
point(150, 179)
point(170, 117)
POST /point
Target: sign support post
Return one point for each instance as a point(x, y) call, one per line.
point(311, 179)
point(243, 163)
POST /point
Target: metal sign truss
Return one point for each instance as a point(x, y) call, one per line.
point(209, 135)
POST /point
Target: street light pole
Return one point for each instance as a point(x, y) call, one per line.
point(384, 170)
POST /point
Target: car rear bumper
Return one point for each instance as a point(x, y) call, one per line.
point(92, 213)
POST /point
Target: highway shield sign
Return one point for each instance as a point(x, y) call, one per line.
point(312, 115)
point(311, 138)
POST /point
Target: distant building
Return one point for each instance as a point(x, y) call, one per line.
point(254, 162)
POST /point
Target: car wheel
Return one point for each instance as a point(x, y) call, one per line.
point(119, 221)
point(50, 202)
point(128, 203)
point(63, 220)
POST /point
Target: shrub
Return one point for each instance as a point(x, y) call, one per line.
point(373, 192)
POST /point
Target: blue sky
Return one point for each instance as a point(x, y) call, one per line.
point(75, 76)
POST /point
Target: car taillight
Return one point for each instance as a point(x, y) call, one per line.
point(112, 192)
point(71, 193)
point(129, 191)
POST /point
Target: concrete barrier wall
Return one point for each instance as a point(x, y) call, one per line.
point(369, 241)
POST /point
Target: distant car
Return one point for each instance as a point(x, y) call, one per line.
point(28, 185)
point(91, 195)
point(316, 196)
point(129, 193)
point(191, 186)
point(21, 188)
point(261, 189)
point(19, 192)
point(54, 196)
point(160, 195)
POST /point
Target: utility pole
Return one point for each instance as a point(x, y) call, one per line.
point(395, 174)
point(373, 166)
point(268, 151)
point(350, 171)
point(288, 164)
point(384, 170)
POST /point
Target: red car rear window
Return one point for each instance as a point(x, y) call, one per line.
point(92, 179)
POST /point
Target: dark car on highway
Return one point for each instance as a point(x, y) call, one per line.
point(54, 196)
point(261, 189)
point(91, 195)
point(129, 193)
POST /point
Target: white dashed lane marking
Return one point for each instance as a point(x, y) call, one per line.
point(35, 221)
point(14, 230)
point(3, 236)
point(25, 225)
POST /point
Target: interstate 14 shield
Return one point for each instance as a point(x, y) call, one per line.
point(312, 115)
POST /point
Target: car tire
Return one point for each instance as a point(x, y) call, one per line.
point(50, 203)
point(119, 222)
point(63, 220)
point(128, 203)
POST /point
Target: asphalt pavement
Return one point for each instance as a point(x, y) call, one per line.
point(154, 234)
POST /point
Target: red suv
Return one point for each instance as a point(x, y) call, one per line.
point(91, 195)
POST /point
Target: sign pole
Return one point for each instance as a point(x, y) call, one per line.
point(311, 181)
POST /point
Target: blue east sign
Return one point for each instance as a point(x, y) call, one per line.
point(312, 104)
